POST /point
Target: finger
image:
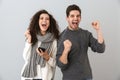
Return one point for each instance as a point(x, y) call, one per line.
point(39, 52)
point(94, 23)
point(28, 31)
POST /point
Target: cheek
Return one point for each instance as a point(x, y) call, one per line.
point(39, 23)
point(48, 22)
point(68, 20)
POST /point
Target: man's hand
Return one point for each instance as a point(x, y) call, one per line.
point(67, 45)
point(96, 25)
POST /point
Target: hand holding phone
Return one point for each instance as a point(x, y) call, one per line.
point(41, 48)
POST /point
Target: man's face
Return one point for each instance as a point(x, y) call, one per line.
point(73, 19)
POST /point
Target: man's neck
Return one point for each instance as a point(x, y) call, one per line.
point(72, 28)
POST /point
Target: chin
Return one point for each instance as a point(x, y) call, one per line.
point(75, 28)
point(44, 30)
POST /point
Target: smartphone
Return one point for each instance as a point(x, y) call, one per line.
point(43, 49)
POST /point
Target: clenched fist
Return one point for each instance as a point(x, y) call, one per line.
point(96, 25)
point(67, 45)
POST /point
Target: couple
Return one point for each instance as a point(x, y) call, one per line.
point(68, 50)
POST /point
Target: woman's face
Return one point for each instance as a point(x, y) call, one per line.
point(44, 22)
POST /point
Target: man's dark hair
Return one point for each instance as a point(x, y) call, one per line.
point(72, 7)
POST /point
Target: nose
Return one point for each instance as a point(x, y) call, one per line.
point(75, 18)
point(44, 19)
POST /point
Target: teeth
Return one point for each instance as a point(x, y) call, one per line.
point(43, 24)
point(74, 22)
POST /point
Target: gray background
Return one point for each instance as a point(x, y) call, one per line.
point(15, 17)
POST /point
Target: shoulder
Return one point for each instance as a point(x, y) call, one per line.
point(63, 32)
point(85, 31)
point(54, 42)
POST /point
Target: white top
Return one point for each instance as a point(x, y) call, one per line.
point(44, 73)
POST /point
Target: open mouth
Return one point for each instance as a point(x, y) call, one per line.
point(75, 23)
point(44, 25)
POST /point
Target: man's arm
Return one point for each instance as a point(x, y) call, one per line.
point(64, 57)
point(96, 26)
point(97, 45)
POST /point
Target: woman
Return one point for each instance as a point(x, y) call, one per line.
point(42, 32)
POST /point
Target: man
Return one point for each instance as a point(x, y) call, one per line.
point(73, 45)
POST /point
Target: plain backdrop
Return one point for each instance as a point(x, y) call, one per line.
point(15, 16)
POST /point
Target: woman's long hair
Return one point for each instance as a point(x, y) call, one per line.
point(35, 29)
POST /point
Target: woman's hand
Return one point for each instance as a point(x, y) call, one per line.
point(28, 36)
point(43, 54)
